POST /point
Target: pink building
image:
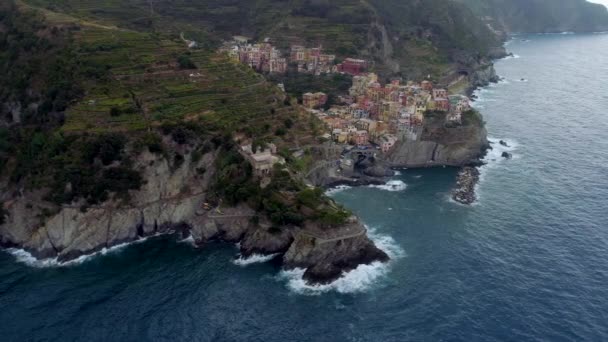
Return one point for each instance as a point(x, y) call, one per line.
point(352, 66)
point(440, 94)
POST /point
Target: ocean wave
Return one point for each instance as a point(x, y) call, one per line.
point(494, 156)
point(393, 186)
point(337, 189)
point(27, 258)
point(358, 280)
point(254, 259)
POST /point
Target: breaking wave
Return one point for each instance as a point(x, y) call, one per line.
point(254, 259)
point(494, 155)
point(392, 185)
point(360, 279)
point(337, 189)
point(27, 258)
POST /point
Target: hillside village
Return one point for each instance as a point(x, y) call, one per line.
point(265, 57)
point(370, 116)
point(383, 115)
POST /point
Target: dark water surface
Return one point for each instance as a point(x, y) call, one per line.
point(528, 262)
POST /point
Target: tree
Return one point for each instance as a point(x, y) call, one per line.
point(185, 62)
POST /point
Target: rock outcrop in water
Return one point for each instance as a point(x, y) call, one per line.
point(465, 185)
point(171, 201)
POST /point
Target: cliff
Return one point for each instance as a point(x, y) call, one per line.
point(459, 147)
point(171, 201)
point(541, 16)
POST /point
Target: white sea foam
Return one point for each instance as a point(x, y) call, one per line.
point(254, 259)
point(494, 157)
point(392, 185)
point(27, 258)
point(514, 56)
point(495, 154)
point(337, 189)
point(358, 280)
point(189, 240)
point(398, 173)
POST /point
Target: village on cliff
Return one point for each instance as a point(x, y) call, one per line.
point(371, 115)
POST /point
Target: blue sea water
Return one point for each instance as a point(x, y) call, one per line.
point(528, 262)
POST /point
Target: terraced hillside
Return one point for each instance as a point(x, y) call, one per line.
point(147, 85)
point(407, 37)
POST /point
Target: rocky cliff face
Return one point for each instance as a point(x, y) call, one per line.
point(455, 147)
point(171, 202)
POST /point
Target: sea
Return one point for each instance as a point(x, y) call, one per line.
point(527, 262)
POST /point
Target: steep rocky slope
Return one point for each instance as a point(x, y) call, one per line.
point(171, 201)
point(516, 16)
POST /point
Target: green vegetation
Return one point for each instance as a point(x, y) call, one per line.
point(3, 213)
point(297, 84)
point(472, 117)
point(73, 166)
point(99, 81)
point(285, 201)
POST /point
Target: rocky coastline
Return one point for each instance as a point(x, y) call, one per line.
point(171, 203)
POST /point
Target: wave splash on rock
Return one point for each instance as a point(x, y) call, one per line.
point(361, 279)
point(25, 257)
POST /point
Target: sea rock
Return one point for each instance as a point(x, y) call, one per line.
point(328, 253)
point(507, 155)
point(266, 240)
point(379, 171)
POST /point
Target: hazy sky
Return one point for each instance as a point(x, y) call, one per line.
point(603, 2)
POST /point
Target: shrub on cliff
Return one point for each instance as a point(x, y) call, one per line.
point(3, 214)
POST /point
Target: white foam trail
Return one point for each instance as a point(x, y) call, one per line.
point(358, 280)
point(337, 189)
point(254, 259)
point(514, 56)
point(27, 258)
point(392, 185)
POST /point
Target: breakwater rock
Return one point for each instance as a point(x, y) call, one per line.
point(465, 185)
